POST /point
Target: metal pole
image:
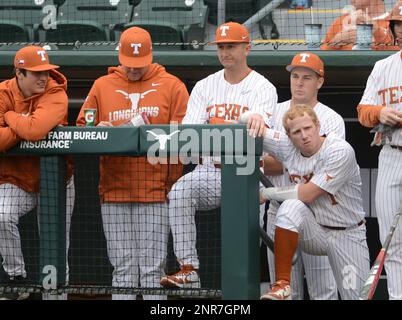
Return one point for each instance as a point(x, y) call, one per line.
point(221, 18)
point(262, 13)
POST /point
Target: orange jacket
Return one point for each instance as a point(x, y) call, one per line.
point(45, 111)
point(378, 34)
point(163, 97)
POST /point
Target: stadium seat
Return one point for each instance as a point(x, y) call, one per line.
point(172, 21)
point(12, 31)
point(88, 21)
point(164, 37)
point(20, 18)
point(235, 10)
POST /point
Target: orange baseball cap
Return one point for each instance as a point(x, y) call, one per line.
point(307, 60)
point(33, 58)
point(231, 32)
point(135, 48)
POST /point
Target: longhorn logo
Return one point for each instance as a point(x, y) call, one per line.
point(134, 97)
point(163, 138)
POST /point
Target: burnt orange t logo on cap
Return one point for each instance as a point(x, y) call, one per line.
point(33, 58)
point(307, 60)
point(223, 29)
point(42, 53)
point(304, 57)
point(136, 47)
point(231, 32)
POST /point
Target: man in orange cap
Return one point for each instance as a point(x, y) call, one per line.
point(31, 104)
point(321, 210)
point(134, 192)
point(222, 97)
point(306, 79)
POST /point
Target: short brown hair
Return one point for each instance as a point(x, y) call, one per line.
point(296, 111)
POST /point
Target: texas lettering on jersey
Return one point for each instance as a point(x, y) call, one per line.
point(226, 111)
point(295, 178)
point(392, 95)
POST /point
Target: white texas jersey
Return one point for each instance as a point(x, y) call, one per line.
point(330, 121)
point(214, 97)
point(333, 168)
point(384, 87)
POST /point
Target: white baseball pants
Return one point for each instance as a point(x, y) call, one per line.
point(346, 249)
point(197, 190)
point(319, 276)
point(15, 203)
point(137, 237)
point(387, 201)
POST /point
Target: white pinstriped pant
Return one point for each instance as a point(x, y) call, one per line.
point(319, 276)
point(137, 237)
point(346, 249)
point(197, 190)
point(387, 200)
point(15, 203)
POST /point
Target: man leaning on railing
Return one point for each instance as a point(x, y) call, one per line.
point(31, 104)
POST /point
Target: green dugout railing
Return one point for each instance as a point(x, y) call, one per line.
point(239, 208)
